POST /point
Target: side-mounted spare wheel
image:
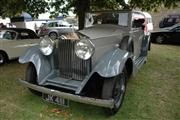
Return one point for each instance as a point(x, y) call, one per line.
point(31, 77)
point(114, 88)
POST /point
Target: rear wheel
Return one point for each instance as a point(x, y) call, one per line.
point(114, 88)
point(53, 35)
point(31, 77)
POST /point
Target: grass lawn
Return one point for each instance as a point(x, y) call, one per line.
point(153, 94)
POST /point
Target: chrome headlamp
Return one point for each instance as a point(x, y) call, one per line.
point(46, 45)
point(84, 49)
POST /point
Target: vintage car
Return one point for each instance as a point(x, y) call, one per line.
point(168, 35)
point(55, 29)
point(170, 20)
point(15, 41)
point(89, 66)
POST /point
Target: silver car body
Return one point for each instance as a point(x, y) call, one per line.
point(112, 53)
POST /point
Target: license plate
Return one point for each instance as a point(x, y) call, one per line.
point(55, 100)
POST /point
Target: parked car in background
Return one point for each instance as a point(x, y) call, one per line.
point(56, 28)
point(92, 65)
point(167, 35)
point(170, 20)
point(15, 41)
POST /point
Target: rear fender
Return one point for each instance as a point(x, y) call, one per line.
point(41, 63)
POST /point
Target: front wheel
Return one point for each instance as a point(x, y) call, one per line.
point(31, 77)
point(114, 88)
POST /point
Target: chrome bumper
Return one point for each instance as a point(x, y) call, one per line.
point(72, 97)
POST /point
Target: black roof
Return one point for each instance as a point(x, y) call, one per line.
point(18, 29)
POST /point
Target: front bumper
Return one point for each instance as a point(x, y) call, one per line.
point(87, 100)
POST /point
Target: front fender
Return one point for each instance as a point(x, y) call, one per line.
point(40, 62)
point(113, 63)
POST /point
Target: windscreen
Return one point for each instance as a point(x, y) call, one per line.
point(106, 18)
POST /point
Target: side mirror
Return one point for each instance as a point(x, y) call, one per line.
point(143, 26)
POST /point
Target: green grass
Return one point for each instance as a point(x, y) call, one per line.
point(153, 94)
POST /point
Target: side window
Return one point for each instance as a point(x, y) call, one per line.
point(61, 25)
point(170, 20)
point(50, 25)
point(24, 35)
point(123, 19)
point(53, 24)
point(137, 20)
point(10, 35)
point(138, 23)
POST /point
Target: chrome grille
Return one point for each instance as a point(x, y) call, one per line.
point(71, 66)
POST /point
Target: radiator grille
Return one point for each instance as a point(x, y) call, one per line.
point(71, 66)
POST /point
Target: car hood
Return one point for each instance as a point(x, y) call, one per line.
point(166, 29)
point(99, 31)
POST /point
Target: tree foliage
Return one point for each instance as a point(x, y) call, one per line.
point(36, 7)
point(153, 5)
point(62, 6)
point(11, 7)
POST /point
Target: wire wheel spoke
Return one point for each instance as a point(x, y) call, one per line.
point(119, 90)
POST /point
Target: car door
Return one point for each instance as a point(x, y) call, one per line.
point(20, 44)
point(137, 33)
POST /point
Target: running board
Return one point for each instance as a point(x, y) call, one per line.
point(140, 61)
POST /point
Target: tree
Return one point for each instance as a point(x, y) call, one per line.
point(80, 6)
point(12, 8)
point(35, 7)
